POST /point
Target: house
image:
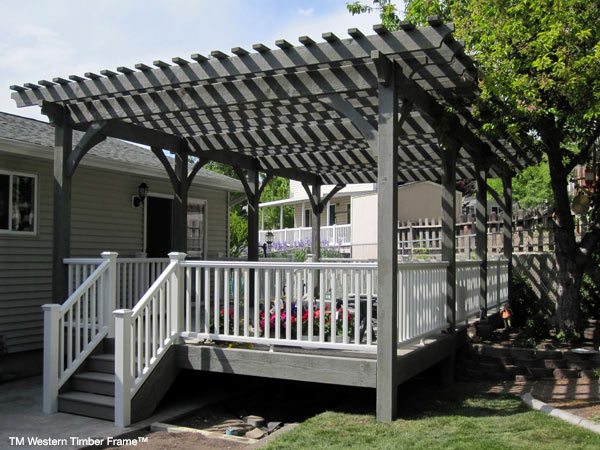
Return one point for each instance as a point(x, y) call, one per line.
point(103, 217)
point(347, 219)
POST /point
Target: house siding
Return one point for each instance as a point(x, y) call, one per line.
point(102, 219)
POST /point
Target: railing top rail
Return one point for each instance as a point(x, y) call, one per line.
point(84, 286)
point(310, 265)
point(142, 260)
point(83, 260)
point(469, 263)
point(150, 292)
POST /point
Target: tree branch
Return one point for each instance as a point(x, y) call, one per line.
point(585, 151)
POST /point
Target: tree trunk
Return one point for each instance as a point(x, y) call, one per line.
point(569, 265)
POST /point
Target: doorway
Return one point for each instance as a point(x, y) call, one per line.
point(158, 226)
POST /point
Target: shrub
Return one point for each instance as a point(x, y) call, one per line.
point(529, 312)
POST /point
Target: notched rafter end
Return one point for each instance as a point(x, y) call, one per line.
point(379, 28)
point(260, 48)
point(180, 61)
point(17, 88)
point(143, 67)
point(306, 41)
point(330, 37)
point(218, 54)
point(435, 21)
point(198, 57)
point(405, 25)
point(239, 51)
point(161, 64)
point(283, 44)
point(355, 33)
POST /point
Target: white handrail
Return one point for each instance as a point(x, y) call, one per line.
point(74, 329)
point(144, 334)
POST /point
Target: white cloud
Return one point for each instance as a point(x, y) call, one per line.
point(306, 12)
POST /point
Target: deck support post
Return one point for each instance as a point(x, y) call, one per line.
point(449, 152)
point(61, 235)
point(481, 226)
point(180, 202)
point(387, 240)
point(110, 291)
point(507, 225)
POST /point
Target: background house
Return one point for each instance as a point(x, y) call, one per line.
point(103, 218)
point(348, 221)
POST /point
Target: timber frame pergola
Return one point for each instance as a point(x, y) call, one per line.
point(389, 108)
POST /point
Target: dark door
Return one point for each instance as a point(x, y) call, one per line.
point(158, 227)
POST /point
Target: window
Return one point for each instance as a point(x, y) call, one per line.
point(331, 215)
point(348, 214)
point(18, 203)
point(307, 217)
point(196, 228)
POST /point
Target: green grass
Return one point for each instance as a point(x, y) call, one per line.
point(449, 419)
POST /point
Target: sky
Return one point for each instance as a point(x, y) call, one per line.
point(43, 39)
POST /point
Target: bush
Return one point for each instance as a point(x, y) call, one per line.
point(529, 312)
point(590, 290)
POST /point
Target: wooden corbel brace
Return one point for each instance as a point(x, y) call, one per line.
point(158, 152)
point(197, 166)
point(92, 137)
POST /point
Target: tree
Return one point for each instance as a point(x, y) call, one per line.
point(531, 187)
point(540, 82)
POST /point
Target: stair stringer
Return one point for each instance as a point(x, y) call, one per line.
point(154, 388)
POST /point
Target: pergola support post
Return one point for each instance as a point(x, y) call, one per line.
point(481, 225)
point(315, 235)
point(507, 225)
point(180, 203)
point(61, 236)
point(449, 154)
point(387, 241)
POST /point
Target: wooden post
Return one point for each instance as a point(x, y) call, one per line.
point(507, 225)
point(61, 234)
point(123, 364)
point(180, 201)
point(449, 227)
point(387, 242)
point(481, 226)
point(51, 357)
point(177, 297)
point(253, 200)
point(315, 242)
point(110, 291)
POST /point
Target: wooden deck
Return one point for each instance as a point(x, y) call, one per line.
point(349, 368)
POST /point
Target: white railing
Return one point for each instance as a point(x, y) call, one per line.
point(135, 276)
point(467, 290)
point(144, 334)
point(72, 330)
point(421, 299)
point(309, 305)
point(497, 283)
point(331, 236)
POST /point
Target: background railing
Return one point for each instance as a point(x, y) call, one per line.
point(331, 236)
point(72, 330)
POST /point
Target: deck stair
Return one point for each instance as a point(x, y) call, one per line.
point(91, 391)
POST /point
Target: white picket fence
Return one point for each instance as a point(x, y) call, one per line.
point(72, 330)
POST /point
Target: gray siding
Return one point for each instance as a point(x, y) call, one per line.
point(102, 219)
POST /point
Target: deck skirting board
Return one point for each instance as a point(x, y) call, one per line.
point(288, 366)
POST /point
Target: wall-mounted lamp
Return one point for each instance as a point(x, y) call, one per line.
point(142, 194)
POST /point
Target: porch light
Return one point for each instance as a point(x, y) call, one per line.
point(269, 238)
point(142, 194)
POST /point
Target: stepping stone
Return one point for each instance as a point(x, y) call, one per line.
point(255, 421)
point(256, 433)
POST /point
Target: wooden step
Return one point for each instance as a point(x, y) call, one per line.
point(87, 404)
point(95, 382)
point(104, 362)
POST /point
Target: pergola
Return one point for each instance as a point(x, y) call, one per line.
point(389, 108)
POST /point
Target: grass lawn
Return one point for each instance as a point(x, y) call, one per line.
point(459, 417)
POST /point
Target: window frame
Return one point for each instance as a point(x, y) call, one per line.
point(11, 174)
point(205, 240)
